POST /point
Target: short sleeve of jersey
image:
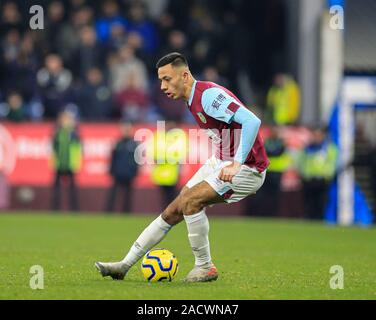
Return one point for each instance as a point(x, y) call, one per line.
point(219, 105)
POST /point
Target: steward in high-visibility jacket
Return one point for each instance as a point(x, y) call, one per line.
point(168, 149)
point(283, 101)
point(67, 154)
point(280, 159)
point(67, 158)
point(280, 162)
point(318, 161)
point(317, 165)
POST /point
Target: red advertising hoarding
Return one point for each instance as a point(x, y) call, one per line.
point(26, 149)
point(26, 153)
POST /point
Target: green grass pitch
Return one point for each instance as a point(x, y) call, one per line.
point(256, 258)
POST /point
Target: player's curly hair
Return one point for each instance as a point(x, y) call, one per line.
point(175, 58)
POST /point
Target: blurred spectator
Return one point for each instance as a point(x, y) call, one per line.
point(125, 65)
point(177, 42)
point(54, 82)
point(128, 76)
point(210, 73)
point(123, 169)
point(283, 101)
point(132, 101)
point(134, 40)
point(11, 18)
point(168, 149)
point(280, 161)
point(11, 46)
point(118, 37)
point(317, 165)
point(110, 15)
point(66, 159)
point(14, 108)
point(164, 25)
point(177, 14)
point(155, 8)
point(68, 39)
point(94, 98)
point(26, 68)
point(206, 35)
point(88, 54)
point(139, 23)
point(54, 24)
point(17, 64)
point(76, 4)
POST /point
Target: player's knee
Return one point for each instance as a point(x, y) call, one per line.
point(190, 206)
point(171, 215)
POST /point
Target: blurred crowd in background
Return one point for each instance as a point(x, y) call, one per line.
point(97, 58)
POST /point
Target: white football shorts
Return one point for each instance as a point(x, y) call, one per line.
point(247, 181)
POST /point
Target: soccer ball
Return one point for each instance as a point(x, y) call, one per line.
point(159, 265)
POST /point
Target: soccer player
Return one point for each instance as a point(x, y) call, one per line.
point(236, 170)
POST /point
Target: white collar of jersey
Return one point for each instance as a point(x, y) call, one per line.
point(192, 92)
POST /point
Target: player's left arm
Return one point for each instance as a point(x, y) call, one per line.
point(218, 104)
point(250, 127)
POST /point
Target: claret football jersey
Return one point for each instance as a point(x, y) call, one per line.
point(213, 108)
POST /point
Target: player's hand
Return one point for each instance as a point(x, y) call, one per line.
point(228, 172)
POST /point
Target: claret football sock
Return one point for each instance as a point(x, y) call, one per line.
point(150, 237)
point(198, 234)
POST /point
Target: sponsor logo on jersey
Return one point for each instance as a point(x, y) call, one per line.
point(218, 101)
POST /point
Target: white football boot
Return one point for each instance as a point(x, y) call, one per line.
point(116, 270)
point(203, 273)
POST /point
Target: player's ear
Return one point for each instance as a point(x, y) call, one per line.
point(185, 76)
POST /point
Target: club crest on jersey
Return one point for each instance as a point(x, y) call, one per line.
point(202, 117)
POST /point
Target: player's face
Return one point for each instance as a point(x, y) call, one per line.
point(172, 81)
